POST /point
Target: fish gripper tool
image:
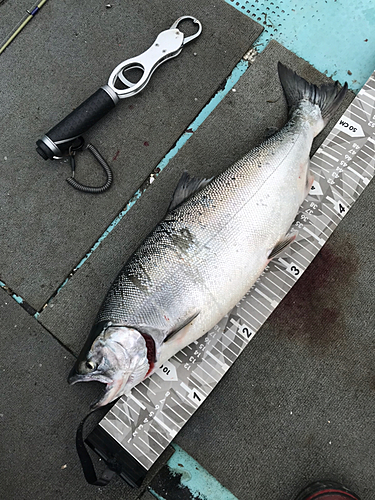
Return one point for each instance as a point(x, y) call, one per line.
point(169, 43)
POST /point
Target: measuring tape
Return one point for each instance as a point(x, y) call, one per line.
point(140, 427)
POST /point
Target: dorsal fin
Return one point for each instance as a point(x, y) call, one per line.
point(185, 188)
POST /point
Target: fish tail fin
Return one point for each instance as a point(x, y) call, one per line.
point(328, 96)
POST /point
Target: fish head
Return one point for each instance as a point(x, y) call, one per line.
point(117, 358)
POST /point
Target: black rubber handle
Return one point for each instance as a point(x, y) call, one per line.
point(76, 123)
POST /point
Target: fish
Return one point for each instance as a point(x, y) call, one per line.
point(216, 239)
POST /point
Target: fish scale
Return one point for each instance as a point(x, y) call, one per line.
point(183, 255)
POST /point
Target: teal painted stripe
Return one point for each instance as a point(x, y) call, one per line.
point(17, 298)
point(206, 111)
point(336, 36)
point(201, 484)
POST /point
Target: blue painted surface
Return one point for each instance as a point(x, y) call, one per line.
point(335, 36)
point(194, 477)
point(17, 298)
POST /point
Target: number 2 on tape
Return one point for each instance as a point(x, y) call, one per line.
point(245, 331)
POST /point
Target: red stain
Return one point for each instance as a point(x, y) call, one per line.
point(165, 317)
point(116, 155)
point(313, 312)
point(146, 143)
point(131, 106)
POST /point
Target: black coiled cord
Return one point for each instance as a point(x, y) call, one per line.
point(103, 164)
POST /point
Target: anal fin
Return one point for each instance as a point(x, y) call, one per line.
point(282, 245)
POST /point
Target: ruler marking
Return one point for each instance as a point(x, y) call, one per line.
point(153, 380)
point(224, 355)
point(209, 363)
point(124, 412)
point(141, 393)
point(366, 94)
point(278, 277)
point(251, 316)
point(286, 274)
point(263, 305)
point(209, 374)
point(249, 321)
point(157, 430)
point(328, 217)
point(337, 144)
point(273, 282)
point(355, 114)
point(350, 187)
point(303, 248)
point(152, 437)
point(344, 192)
point(317, 219)
point(321, 166)
point(147, 388)
point(199, 387)
point(133, 398)
point(269, 289)
point(327, 154)
point(367, 163)
point(315, 173)
point(169, 418)
point(218, 361)
point(335, 150)
point(183, 397)
point(162, 424)
point(271, 301)
point(117, 429)
point(174, 411)
point(144, 454)
point(149, 446)
point(364, 179)
point(180, 405)
point(200, 378)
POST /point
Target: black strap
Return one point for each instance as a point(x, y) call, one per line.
point(87, 466)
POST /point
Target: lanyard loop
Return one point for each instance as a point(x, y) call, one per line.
point(107, 170)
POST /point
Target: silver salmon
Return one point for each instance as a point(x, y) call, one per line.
point(203, 257)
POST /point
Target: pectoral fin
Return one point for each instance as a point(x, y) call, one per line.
point(282, 245)
point(186, 187)
point(180, 326)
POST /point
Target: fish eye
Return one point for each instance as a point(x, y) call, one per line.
point(90, 365)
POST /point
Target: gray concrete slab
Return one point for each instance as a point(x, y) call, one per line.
point(11, 15)
point(39, 415)
point(297, 406)
point(64, 56)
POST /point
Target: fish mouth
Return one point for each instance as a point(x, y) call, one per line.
point(89, 377)
point(109, 392)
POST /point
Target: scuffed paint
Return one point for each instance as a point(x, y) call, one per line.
point(201, 484)
point(336, 37)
